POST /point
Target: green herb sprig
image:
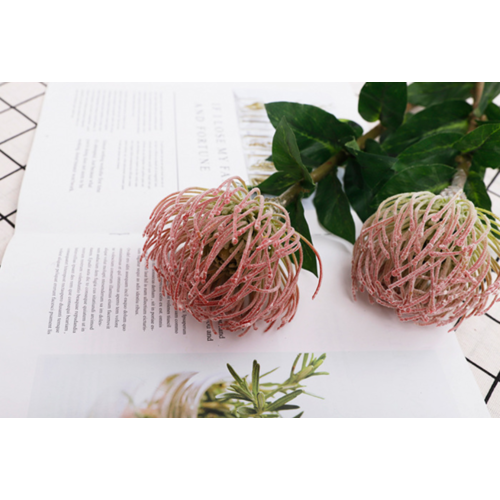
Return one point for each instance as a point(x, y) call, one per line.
point(249, 397)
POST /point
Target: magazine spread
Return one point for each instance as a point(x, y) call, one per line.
point(84, 328)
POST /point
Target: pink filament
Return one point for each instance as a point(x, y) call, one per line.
point(226, 255)
point(432, 258)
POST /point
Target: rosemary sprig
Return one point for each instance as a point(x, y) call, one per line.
point(244, 398)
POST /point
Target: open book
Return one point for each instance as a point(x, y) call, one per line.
point(84, 329)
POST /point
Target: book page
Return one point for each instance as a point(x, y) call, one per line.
point(86, 332)
point(107, 154)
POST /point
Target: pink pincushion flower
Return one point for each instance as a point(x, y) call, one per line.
point(226, 255)
point(432, 258)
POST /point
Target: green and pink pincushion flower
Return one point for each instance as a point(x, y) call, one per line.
point(227, 255)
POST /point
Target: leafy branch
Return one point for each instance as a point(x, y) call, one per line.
point(425, 133)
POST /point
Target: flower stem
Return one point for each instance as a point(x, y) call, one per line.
point(477, 94)
point(291, 194)
point(463, 161)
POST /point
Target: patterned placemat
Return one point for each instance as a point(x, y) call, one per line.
point(20, 106)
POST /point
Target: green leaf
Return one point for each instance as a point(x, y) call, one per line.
point(488, 154)
point(374, 147)
point(332, 207)
point(450, 116)
point(312, 122)
point(358, 129)
point(304, 360)
point(269, 372)
point(375, 168)
point(427, 94)
point(295, 363)
point(383, 101)
point(277, 183)
point(226, 396)
point(299, 223)
point(358, 194)
point(476, 191)
point(242, 390)
point(480, 123)
point(245, 411)
point(319, 361)
point(299, 415)
point(439, 148)
point(314, 155)
point(433, 178)
point(478, 169)
point(492, 111)
point(283, 400)
point(491, 90)
point(287, 160)
point(255, 378)
point(352, 147)
point(261, 401)
point(364, 175)
point(234, 374)
point(475, 139)
point(288, 407)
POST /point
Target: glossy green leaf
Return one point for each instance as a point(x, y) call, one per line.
point(375, 168)
point(374, 147)
point(439, 148)
point(384, 101)
point(484, 144)
point(288, 163)
point(433, 178)
point(359, 195)
point(478, 169)
point(299, 223)
point(450, 116)
point(352, 146)
point(492, 111)
point(430, 93)
point(481, 123)
point(476, 191)
point(311, 122)
point(488, 154)
point(365, 174)
point(314, 155)
point(358, 129)
point(475, 139)
point(491, 90)
point(332, 207)
point(277, 183)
